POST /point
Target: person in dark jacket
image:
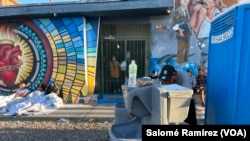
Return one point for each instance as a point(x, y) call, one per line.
point(51, 88)
point(169, 75)
point(181, 17)
point(201, 82)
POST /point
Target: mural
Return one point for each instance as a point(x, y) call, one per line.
point(52, 49)
point(64, 50)
point(190, 25)
point(23, 53)
point(9, 56)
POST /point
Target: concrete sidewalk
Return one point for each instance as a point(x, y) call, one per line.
point(83, 111)
point(104, 111)
point(74, 111)
point(87, 111)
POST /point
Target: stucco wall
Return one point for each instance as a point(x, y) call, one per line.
point(164, 46)
point(41, 51)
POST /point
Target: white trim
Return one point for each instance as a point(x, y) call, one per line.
point(85, 54)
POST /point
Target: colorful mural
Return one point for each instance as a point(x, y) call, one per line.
point(62, 50)
point(188, 34)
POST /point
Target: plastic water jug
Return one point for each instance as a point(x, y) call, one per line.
point(132, 74)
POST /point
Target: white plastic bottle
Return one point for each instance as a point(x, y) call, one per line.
point(132, 74)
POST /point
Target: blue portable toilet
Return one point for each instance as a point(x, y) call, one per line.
point(228, 74)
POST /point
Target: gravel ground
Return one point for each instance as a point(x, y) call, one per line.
point(55, 130)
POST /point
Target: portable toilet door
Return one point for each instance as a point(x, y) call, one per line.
point(227, 98)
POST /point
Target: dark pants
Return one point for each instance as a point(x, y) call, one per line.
point(191, 119)
point(116, 85)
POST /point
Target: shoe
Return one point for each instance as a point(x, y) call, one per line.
point(3, 110)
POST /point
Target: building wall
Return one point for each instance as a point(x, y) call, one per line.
point(8, 2)
point(52, 49)
point(60, 50)
point(164, 43)
point(164, 47)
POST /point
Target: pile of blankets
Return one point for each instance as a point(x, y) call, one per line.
point(36, 101)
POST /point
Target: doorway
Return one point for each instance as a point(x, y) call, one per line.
point(126, 42)
point(124, 51)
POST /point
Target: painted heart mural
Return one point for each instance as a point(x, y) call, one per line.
point(9, 62)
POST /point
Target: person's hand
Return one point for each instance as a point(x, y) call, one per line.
point(181, 34)
point(197, 7)
point(198, 90)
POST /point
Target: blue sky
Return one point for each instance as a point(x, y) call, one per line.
point(42, 1)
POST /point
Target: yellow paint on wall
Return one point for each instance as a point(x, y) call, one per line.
point(71, 71)
point(90, 85)
point(77, 88)
point(48, 35)
point(24, 66)
point(62, 58)
point(66, 87)
point(62, 68)
point(53, 75)
point(55, 58)
point(91, 61)
point(56, 38)
point(66, 93)
point(70, 76)
point(61, 50)
point(74, 91)
point(66, 38)
point(91, 69)
point(79, 82)
point(81, 72)
point(55, 70)
point(72, 65)
point(74, 98)
point(60, 77)
point(79, 76)
point(84, 91)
